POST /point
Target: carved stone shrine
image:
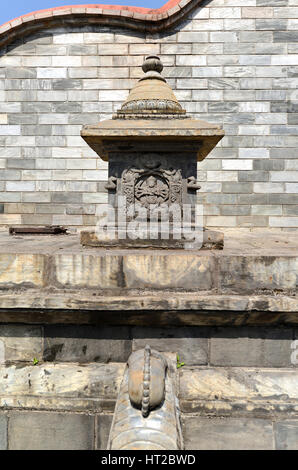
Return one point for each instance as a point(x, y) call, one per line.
point(152, 147)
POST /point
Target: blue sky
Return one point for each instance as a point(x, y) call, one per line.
point(16, 8)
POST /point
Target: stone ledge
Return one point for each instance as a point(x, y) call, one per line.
point(243, 391)
point(222, 272)
point(53, 278)
point(206, 391)
point(167, 309)
point(61, 386)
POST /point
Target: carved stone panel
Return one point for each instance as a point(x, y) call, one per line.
point(149, 186)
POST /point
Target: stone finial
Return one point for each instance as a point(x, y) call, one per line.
point(152, 62)
point(152, 67)
point(151, 97)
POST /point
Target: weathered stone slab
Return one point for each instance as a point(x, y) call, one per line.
point(22, 270)
point(144, 308)
point(184, 271)
point(50, 431)
point(251, 391)
point(86, 344)
point(211, 241)
point(260, 347)
point(87, 271)
point(104, 423)
point(55, 381)
point(191, 344)
point(248, 274)
point(286, 435)
point(20, 343)
point(227, 434)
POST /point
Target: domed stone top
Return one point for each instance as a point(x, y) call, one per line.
point(151, 97)
point(152, 64)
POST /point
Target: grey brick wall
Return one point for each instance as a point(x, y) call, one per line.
point(232, 62)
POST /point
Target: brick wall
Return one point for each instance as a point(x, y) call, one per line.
point(231, 62)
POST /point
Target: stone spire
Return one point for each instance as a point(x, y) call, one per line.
point(151, 97)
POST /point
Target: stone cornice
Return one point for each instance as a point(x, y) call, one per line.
point(135, 18)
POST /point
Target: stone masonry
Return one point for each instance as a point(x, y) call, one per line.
point(230, 62)
point(67, 397)
point(70, 316)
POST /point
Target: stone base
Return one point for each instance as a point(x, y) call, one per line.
point(212, 240)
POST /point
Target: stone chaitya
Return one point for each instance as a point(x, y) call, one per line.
point(152, 147)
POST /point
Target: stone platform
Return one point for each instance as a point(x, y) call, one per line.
point(253, 281)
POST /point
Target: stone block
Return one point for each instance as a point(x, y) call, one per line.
point(191, 344)
point(34, 219)
point(225, 59)
point(168, 271)
point(271, 49)
point(192, 36)
point(285, 36)
point(20, 186)
point(202, 433)
point(15, 268)
point(3, 432)
point(221, 198)
point(88, 271)
point(257, 272)
point(222, 107)
point(272, 3)
point(86, 344)
point(60, 386)
point(20, 343)
point(144, 49)
point(50, 431)
point(286, 435)
point(293, 119)
point(67, 61)
point(66, 197)
point(236, 48)
point(225, 12)
point(222, 176)
point(39, 197)
point(224, 83)
point(269, 389)
point(258, 347)
point(237, 164)
point(253, 176)
point(256, 36)
point(66, 84)
point(287, 176)
point(254, 107)
point(235, 210)
point(283, 222)
point(290, 210)
point(269, 165)
point(51, 95)
point(239, 24)
point(255, 12)
point(104, 423)
point(274, 24)
point(284, 198)
point(224, 37)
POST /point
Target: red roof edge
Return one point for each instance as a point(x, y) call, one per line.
point(144, 19)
